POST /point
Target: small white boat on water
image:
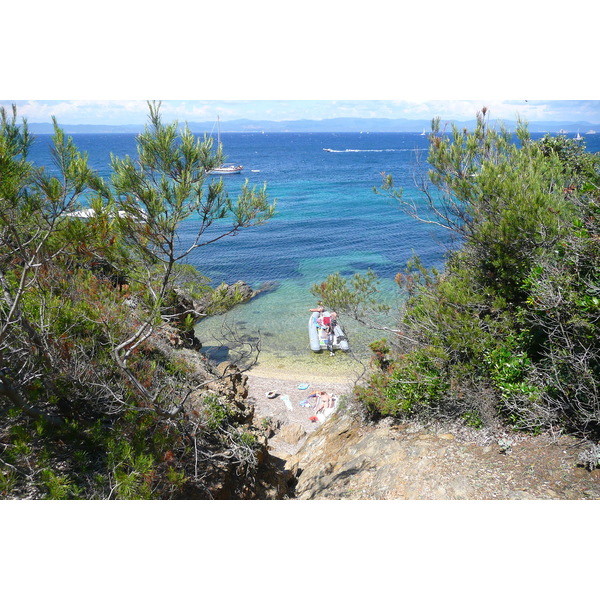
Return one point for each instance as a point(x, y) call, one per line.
point(578, 137)
point(319, 336)
point(226, 168)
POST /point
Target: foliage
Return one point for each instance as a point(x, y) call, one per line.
point(357, 296)
point(381, 351)
point(92, 407)
point(590, 457)
point(412, 383)
point(513, 319)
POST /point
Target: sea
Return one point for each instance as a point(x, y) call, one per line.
point(329, 219)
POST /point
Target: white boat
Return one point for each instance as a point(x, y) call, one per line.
point(319, 337)
point(225, 168)
point(590, 132)
point(578, 137)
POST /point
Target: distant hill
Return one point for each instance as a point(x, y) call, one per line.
point(337, 125)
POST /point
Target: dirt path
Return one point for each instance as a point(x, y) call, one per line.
point(417, 462)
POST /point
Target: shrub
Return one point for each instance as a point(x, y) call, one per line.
point(413, 382)
point(514, 317)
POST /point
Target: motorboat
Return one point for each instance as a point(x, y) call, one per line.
point(320, 336)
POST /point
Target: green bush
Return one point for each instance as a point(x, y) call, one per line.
point(413, 382)
point(514, 318)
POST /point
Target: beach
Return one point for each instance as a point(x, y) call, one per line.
point(291, 426)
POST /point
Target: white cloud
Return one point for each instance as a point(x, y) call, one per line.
point(121, 112)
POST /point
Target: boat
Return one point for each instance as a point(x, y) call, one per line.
point(578, 137)
point(318, 336)
point(225, 168)
point(590, 132)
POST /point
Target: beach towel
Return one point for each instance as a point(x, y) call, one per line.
point(287, 402)
point(325, 412)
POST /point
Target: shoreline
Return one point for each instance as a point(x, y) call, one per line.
point(290, 420)
point(301, 375)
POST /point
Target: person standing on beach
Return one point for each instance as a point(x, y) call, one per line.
point(329, 326)
point(331, 332)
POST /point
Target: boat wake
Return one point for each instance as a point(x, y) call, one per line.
point(369, 150)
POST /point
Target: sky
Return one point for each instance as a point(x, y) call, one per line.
point(279, 61)
point(124, 112)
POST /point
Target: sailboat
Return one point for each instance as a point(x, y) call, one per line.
point(578, 137)
point(225, 168)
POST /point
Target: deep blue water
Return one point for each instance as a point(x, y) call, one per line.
point(328, 220)
point(326, 208)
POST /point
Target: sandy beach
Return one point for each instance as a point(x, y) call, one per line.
point(262, 381)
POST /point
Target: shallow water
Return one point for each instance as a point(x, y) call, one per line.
point(280, 320)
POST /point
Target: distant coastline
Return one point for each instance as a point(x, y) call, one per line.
point(337, 125)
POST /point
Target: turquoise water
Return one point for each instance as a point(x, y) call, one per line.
point(328, 220)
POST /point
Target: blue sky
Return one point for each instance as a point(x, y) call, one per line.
point(116, 112)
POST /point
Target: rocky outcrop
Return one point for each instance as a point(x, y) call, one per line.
point(180, 305)
point(230, 468)
point(347, 458)
point(225, 477)
point(231, 385)
point(223, 297)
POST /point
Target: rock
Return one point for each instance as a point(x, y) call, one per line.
point(232, 382)
point(179, 305)
point(231, 386)
point(224, 297)
point(347, 458)
point(178, 339)
point(292, 433)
